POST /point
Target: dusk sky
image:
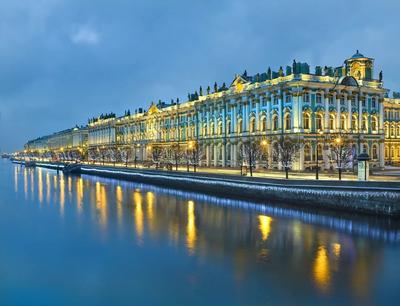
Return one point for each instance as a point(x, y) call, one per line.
point(63, 61)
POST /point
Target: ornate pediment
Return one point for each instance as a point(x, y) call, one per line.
point(153, 109)
point(239, 84)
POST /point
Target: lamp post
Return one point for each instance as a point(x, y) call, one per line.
point(338, 141)
point(264, 144)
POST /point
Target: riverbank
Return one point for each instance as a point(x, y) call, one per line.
point(378, 198)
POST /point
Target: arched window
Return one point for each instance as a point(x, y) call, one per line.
point(228, 126)
point(332, 122)
point(288, 122)
point(354, 122)
point(373, 102)
point(275, 123)
point(386, 131)
point(386, 152)
point(212, 131)
point(320, 152)
point(392, 152)
point(392, 131)
point(212, 152)
point(374, 123)
point(228, 152)
point(219, 128)
point(374, 152)
point(319, 122)
point(364, 123)
point(240, 126)
point(307, 155)
point(306, 121)
point(343, 122)
point(252, 125)
point(264, 124)
point(364, 148)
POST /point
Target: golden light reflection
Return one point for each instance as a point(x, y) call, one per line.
point(119, 197)
point(264, 226)
point(16, 179)
point(101, 203)
point(137, 198)
point(79, 194)
point(26, 183)
point(62, 195)
point(191, 228)
point(40, 185)
point(150, 210)
point(321, 270)
point(336, 248)
point(48, 187)
point(32, 183)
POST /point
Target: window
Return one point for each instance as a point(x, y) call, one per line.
point(363, 102)
point(239, 126)
point(364, 148)
point(320, 152)
point(354, 123)
point(288, 122)
point(220, 128)
point(374, 152)
point(332, 122)
point(319, 98)
point(319, 120)
point(264, 102)
point(330, 100)
point(288, 98)
point(307, 155)
point(364, 123)
point(306, 97)
point(275, 123)
point(306, 121)
point(228, 127)
point(373, 102)
point(343, 122)
point(276, 101)
point(374, 124)
point(264, 124)
point(212, 131)
point(353, 101)
point(252, 125)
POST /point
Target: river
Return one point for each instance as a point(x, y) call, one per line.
point(84, 240)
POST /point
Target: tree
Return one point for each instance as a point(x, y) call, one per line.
point(176, 153)
point(341, 152)
point(126, 154)
point(250, 153)
point(285, 152)
point(195, 155)
point(156, 155)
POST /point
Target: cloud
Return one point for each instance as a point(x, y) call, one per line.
point(85, 35)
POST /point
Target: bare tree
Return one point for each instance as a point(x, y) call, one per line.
point(251, 151)
point(157, 153)
point(197, 156)
point(176, 153)
point(285, 152)
point(126, 154)
point(341, 152)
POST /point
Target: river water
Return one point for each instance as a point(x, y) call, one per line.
point(94, 241)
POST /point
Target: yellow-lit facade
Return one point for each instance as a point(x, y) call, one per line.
point(309, 107)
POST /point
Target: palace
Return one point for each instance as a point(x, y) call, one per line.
point(309, 107)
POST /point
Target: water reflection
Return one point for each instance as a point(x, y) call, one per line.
point(321, 252)
point(191, 228)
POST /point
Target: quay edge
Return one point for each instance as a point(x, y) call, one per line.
point(375, 198)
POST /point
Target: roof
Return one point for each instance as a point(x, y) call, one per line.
point(358, 55)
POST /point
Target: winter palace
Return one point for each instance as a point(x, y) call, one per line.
point(312, 107)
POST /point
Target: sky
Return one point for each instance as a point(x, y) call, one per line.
point(63, 61)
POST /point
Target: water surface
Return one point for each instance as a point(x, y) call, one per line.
point(94, 241)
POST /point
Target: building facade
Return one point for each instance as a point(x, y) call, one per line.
point(310, 107)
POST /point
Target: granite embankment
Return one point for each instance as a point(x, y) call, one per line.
point(379, 198)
